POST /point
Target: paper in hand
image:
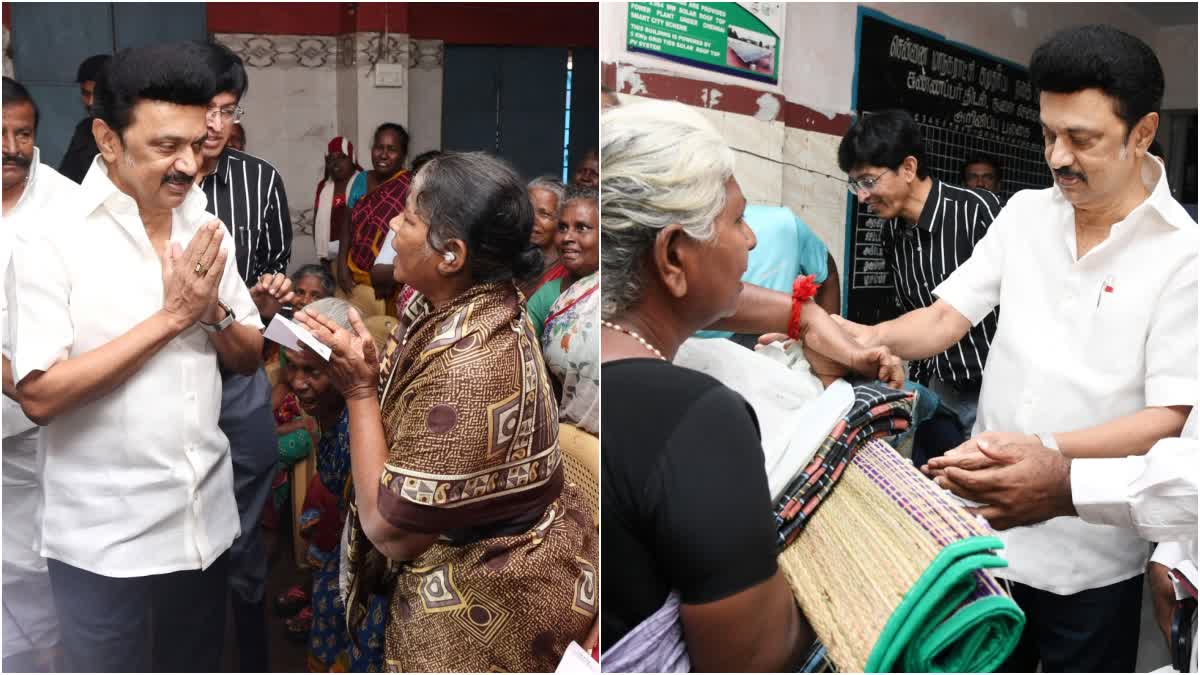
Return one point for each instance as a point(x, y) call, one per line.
point(575, 660)
point(291, 334)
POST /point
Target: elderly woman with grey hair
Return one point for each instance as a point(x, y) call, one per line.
point(546, 193)
point(462, 514)
point(686, 508)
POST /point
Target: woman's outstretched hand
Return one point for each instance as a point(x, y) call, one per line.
point(354, 363)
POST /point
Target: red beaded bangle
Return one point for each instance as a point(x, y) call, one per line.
point(803, 290)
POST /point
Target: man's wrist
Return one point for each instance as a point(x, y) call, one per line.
point(174, 322)
point(213, 314)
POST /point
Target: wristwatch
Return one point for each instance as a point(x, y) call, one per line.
point(223, 323)
point(1047, 440)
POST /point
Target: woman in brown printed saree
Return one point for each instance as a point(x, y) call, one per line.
point(489, 557)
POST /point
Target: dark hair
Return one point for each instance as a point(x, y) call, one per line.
point(228, 69)
point(1155, 149)
point(882, 139)
point(576, 191)
point(423, 159)
point(1104, 58)
point(315, 271)
point(15, 92)
point(481, 200)
point(979, 158)
point(399, 131)
point(174, 72)
point(90, 69)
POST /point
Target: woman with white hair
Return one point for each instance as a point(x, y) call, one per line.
point(686, 508)
point(546, 193)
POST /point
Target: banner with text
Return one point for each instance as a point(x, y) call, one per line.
point(743, 39)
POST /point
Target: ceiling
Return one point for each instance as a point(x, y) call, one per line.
point(1166, 13)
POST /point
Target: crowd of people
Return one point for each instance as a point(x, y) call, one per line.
point(151, 433)
point(1065, 420)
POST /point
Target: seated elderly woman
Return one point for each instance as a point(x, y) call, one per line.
point(571, 332)
point(330, 648)
point(488, 556)
point(546, 193)
point(578, 242)
point(294, 429)
point(686, 512)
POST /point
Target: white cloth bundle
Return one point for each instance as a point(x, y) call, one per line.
point(794, 413)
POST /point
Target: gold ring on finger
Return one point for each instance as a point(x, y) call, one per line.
point(200, 269)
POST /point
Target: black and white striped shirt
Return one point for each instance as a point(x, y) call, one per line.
point(247, 194)
point(953, 220)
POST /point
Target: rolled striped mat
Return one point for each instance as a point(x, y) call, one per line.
point(892, 573)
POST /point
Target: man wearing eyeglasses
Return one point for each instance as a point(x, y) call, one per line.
point(932, 228)
point(247, 194)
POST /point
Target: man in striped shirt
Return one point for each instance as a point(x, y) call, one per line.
point(932, 228)
point(247, 194)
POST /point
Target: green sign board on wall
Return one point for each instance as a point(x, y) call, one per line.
point(722, 36)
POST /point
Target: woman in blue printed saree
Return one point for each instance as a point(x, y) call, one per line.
point(324, 516)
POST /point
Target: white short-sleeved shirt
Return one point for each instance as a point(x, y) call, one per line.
point(138, 481)
point(45, 194)
point(1080, 343)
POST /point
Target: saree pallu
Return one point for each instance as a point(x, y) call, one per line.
point(472, 426)
point(369, 224)
point(554, 270)
point(571, 347)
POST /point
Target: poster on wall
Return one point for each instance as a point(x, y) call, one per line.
point(743, 39)
point(966, 103)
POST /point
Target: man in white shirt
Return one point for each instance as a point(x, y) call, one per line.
point(124, 310)
point(1022, 483)
point(1095, 351)
point(32, 193)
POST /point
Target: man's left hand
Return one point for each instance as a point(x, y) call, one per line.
point(969, 456)
point(1024, 483)
point(271, 293)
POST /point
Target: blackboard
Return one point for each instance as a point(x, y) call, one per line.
point(965, 102)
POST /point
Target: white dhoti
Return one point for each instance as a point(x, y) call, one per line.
point(30, 620)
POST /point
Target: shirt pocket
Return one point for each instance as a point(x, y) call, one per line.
point(1118, 327)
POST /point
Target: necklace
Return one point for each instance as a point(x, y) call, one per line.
point(635, 336)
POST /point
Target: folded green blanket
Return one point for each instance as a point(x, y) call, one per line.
point(954, 620)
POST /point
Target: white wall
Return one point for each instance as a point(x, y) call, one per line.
point(427, 61)
point(304, 90)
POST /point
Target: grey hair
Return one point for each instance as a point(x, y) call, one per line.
point(334, 309)
point(663, 163)
point(550, 184)
point(317, 271)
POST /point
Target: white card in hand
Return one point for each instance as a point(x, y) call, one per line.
point(575, 660)
point(290, 334)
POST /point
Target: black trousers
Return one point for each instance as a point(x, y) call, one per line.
point(163, 623)
point(1092, 631)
